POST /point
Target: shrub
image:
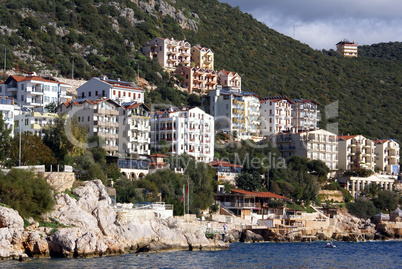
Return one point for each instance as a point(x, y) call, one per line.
point(362, 208)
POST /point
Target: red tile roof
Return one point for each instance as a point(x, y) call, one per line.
point(158, 155)
point(29, 78)
point(382, 141)
point(222, 163)
point(261, 194)
point(346, 137)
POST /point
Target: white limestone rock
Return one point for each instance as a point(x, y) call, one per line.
point(10, 218)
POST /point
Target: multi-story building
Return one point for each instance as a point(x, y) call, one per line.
point(100, 116)
point(225, 171)
point(116, 90)
point(198, 80)
point(35, 92)
point(305, 115)
point(276, 115)
point(185, 130)
point(347, 48)
point(387, 155)
point(235, 112)
point(314, 145)
point(355, 151)
point(134, 130)
point(229, 79)
point(33, 122)
point(7, 110)
point(169, 52)
point(202, 57)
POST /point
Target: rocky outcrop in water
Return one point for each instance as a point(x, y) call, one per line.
point(91, 227)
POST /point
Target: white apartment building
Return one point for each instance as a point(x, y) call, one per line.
point(169, 52)
point(34, 122)
point(186, 130)
point(355, 150)
point(100, 116)
point(314, 145)
point(305, 115)
point(387, 155)
point(276, 115)
point(229, 79)
point(35, 92)
point(134, 130)
point(116, 90)
point(7, 110)
point(235, 112)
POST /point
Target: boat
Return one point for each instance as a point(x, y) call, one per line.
point(330, 245)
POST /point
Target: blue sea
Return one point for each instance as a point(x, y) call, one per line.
point(240, 255)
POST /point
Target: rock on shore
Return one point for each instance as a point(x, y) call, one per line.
point(92, 228)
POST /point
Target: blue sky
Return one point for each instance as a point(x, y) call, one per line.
point(323, 23)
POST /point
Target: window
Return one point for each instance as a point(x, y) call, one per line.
point(114, 92)
point(82, 95)
point(89, 94)
point(96, 93)
point(103, 92)
point(22, 98)
point(129, 94)
point(1, 89)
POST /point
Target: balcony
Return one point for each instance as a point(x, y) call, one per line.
point(12, 89)
point(106, 112)
point(106, 123)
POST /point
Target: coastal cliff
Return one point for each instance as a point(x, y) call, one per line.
point(89, 226)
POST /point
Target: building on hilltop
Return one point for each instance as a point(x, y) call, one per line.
point(276, 115)
point(347, 48)
point(229, 79)
point(116, 90)
point(198, 80)
point(100, 116)
point(314, 145)
point(235, 112)
point(169, 52)
point(202, 57)
point(186, 130)
point(225, 171)
point(305, 115)
point(33, 122)
point(134, 130)
point(355, 151)
point(35, 92)
point(387, 155)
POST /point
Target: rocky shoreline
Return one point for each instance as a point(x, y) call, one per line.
point(88, 226)
point(91, 227)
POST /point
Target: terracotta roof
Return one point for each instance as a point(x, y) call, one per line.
point(20, 78)
point(89, 101)
point(222, 163)
point(382, 141)
point(261, 194)
point(304, 101)
point(158, 155)
point(274, 99)
point(346, 137)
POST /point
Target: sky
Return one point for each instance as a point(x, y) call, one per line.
point(323, 23)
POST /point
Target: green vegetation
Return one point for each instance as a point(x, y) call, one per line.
point(26, 192)
point(362, 208)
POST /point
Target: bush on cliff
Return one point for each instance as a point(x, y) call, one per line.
point(362, 208)
point(26, 192)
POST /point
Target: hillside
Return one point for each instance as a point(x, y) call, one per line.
point(104, 37)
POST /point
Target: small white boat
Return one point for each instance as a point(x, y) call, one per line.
point(330, 245)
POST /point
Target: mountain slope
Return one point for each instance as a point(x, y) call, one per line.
point(104, 37)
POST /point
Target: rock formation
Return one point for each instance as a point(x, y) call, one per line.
point(91, 227)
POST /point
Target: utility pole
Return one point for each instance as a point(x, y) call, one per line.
point(19, 148)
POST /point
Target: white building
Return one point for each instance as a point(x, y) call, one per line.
point(134, 130)
point(229, 79)
point(387, 155)
point(276, 115)
point(7, 110)
point(169, 52)
point(235, 112)
point(34, 122)
point(355, 151)
point(347, 48)
point(186, 130)
point(314, 145)
point(100, 116)
point(35, 92)
point(305, 115)
point(357, 184)
point(116, 90)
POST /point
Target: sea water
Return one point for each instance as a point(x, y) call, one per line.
point(385, 254)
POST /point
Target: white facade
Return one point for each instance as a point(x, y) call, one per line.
point(305, 115)
point(357, 184)
point(355, 150)
point(387, 155)
point(276, 115)
point(7, 110)
point(134, 130)
point(314, 145)
point(234, 111)
point(169, 52)
point(186, 130)
point(116, 90)
point(34, 122)
point(35, 92)
point(229, 79)
point(100, 116)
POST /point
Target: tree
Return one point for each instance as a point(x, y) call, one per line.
point(249, 181)
point(362, 208)
point(33, 151)
point(4, 140)
point(386, 200)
